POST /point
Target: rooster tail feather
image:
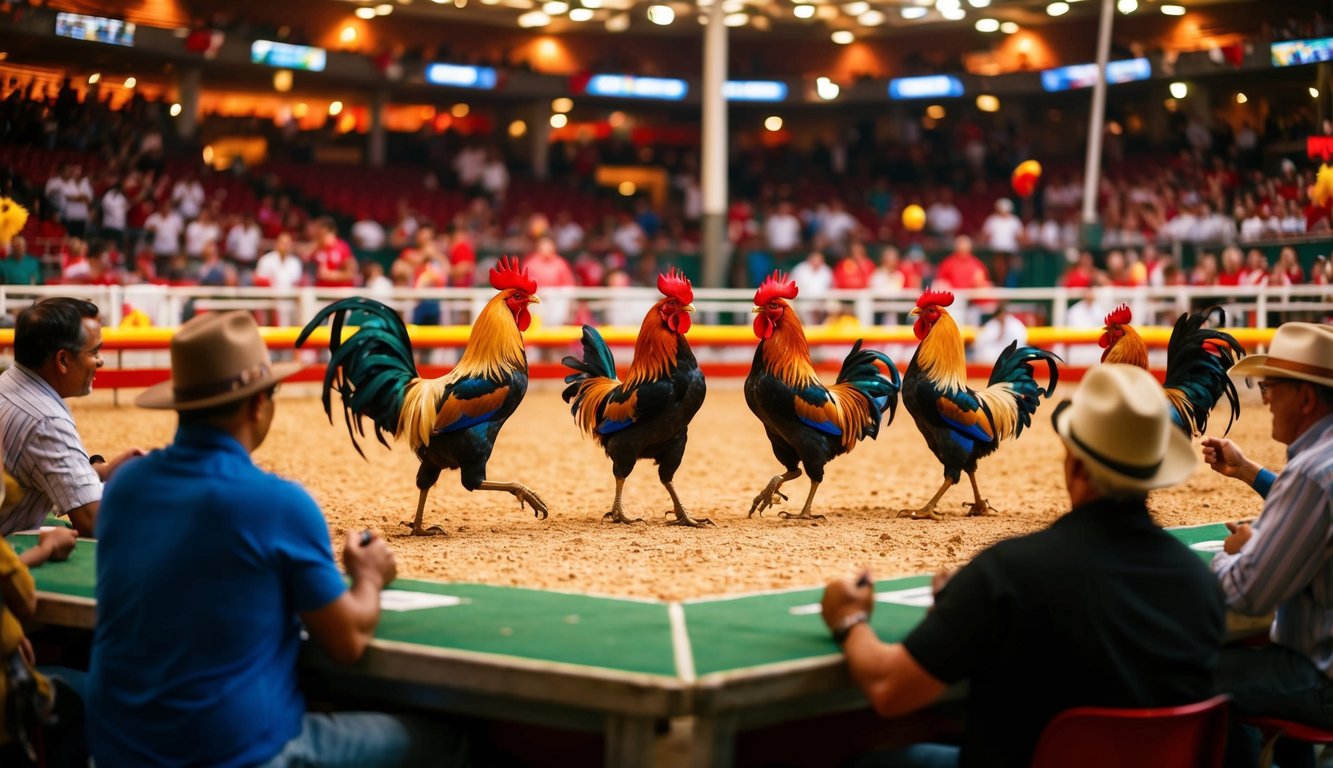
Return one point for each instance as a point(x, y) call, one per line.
point(1197, 361)
point(371, 370)
point(861, 381)
point(593, 381)
point(1012, 394)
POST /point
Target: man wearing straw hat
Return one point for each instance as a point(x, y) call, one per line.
point(205, 563)
point(1282, 561)
point(1102, 608)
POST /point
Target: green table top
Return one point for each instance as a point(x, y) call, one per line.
point(724, 635)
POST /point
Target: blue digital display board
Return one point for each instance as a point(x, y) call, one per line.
point(1085, 75)
point(288, 56)
point(629, 86)
point(462, 76)
point(927, 87)
point(1290, 53)
point(754, 90)
point(94, 29)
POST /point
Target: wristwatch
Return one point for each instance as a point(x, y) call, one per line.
point(845, 626)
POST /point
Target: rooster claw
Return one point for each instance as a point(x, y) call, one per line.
point(979, 508)
point(617, 516)
point(683, 518)
point(925, 513)
point(434, 530)
point(539, 508)
point(766, 499)
point(803, 516)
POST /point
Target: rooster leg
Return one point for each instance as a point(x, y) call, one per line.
point(617, 513)
point(417, 530)
point(979, 506)
point(539, 508)
point(682, 517)
point(766, 499)
point(805, 512)
point(928, 512)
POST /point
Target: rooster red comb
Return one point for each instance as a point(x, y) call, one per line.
point(1120, 315)
point(934, 299)
point(675, 284)
point(507, 274)
point(777, 286)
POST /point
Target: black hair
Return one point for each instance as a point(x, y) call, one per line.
point(49, 326)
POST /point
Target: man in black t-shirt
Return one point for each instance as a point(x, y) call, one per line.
point(1101, 609)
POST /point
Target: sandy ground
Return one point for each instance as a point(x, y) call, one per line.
point(490, 540)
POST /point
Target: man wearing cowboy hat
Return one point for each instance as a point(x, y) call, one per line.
point(205, 563)
point(1281, 561)
point(1101, 608)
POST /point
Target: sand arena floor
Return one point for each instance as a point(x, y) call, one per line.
point(727, 462)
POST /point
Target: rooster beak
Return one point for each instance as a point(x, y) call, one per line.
point(534, 300)
point(687, 308)
point(916, 312)
point(757, 310)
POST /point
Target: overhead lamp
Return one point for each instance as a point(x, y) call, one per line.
point(736, 19)
point(627, 188)
point(555, 7)
point(1173, 10)
point(979, 3)
point(988, 25)
point(593, 4)
point(175, 110)
point(533, 19)
point(580, 14)
point(803, 11)
point(517, 129)
point(935, 112)
point(347, 34)
point(661, 15)
point(1127, 6)
point(1009, 27)
point(1057, 9)
point(954, 14)
point(732, 6)
point(773, 123)
point(94, 78)
point(871, 18)
point(384, 9)
point(988, 102)
point(843, 37)
point(300, 110)
point(914, 12)
point(365, 12)
point(618, 23)
point(1314, 92)
point(282, 80)
point(460, 110)
point(826, 89)
point(1179, 90)
point(948, 5)
point(130, 82)
point(559, 120)
point(616, 119)
point(1241, 98)
point(335, 108)
point(856, 8)
point(562, 104)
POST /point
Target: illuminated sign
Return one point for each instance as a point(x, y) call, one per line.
point(287, 56)
point(754, 90)
point(461, 76)
point(629, 86)
point(94, 29)
point(929, 87)
point(1085, 75)
point(1293, 52)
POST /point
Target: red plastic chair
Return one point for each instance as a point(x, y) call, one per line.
point(1188, 736)
point(1274, 729)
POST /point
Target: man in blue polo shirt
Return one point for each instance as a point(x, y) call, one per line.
point(207, 568)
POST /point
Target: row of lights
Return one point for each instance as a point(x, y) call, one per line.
point(1061, 7)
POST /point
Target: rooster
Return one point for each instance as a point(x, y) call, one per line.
point(647, 416)
point(1197, 359)
point(807, 423)
point(962, 425)
point(450, 422)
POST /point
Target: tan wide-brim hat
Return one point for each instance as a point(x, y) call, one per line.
point(1299, 351)
point(1119, 426)
point(216, 358)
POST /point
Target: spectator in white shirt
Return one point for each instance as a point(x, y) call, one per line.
point(996, 333)
point(943, 217)
point(1003, 233)
point(836, 225)
point(165, 228)
point(201, 232)
point(368, 235)
point(115, 209)
point(782, 230)
point(188, 197)
point(815, 278)
point(74, 195)
point(567, 233)
point(280, 268)
point(243, 241)
point(495, 178)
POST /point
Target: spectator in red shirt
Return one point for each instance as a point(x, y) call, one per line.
point(961, 270)
point(462, 257)
point(1287, 270)
point(1082, 273)
point(1232, 268)
point(335, 266)
point(854, 270)
point(550, 270)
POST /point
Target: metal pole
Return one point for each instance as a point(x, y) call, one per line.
point(1097, 124)
point(713, 165)
point(379, 100)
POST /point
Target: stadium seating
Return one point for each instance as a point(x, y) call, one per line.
point(1192, 735)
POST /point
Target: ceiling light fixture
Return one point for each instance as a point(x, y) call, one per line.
point(533, 19)
point(661, 15)
point(843, 37)
point(555, 7)
point(365, 12)
point(857, 8)
point(1179, 90)
point(1009, 27)
point(384, 9)
point(1173, 10)
point(559, 121)
point(772, 123)
point(871, 18)
point(987, 102)
point(618, 23)
point(1057, 9)
point(562, 104)
point(736, 19)
point(803, 11)
point(580, 14)
point(1127, 6)
point(988, 25)
point(954, 14)
point(826, 89)
point(979, 3)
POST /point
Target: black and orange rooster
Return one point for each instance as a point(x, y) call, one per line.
point(450, 422)
point(647, 416)
point(1197, 360)
point(962, 425)
point(807, 423)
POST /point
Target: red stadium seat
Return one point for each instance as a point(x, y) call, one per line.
point(1193, 736)
point(1274, 729)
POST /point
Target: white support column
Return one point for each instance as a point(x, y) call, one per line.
point(188, 84)
point(1097, 123)
point(713, 163)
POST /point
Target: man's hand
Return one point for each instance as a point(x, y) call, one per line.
point(105, 471)
point(938, 582)
point(1240, 533)
point(371, 561)
point(1225, 458)
point(843, 597)
point(59, 541)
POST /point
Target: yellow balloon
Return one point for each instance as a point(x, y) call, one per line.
point(1322, 191)
point(914, 218)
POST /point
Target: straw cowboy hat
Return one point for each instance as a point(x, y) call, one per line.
point(1119, 427)
point(1299, 351)
point(216, 358)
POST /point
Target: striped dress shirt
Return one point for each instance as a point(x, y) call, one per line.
point(1287, 565)
point(42, 451)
